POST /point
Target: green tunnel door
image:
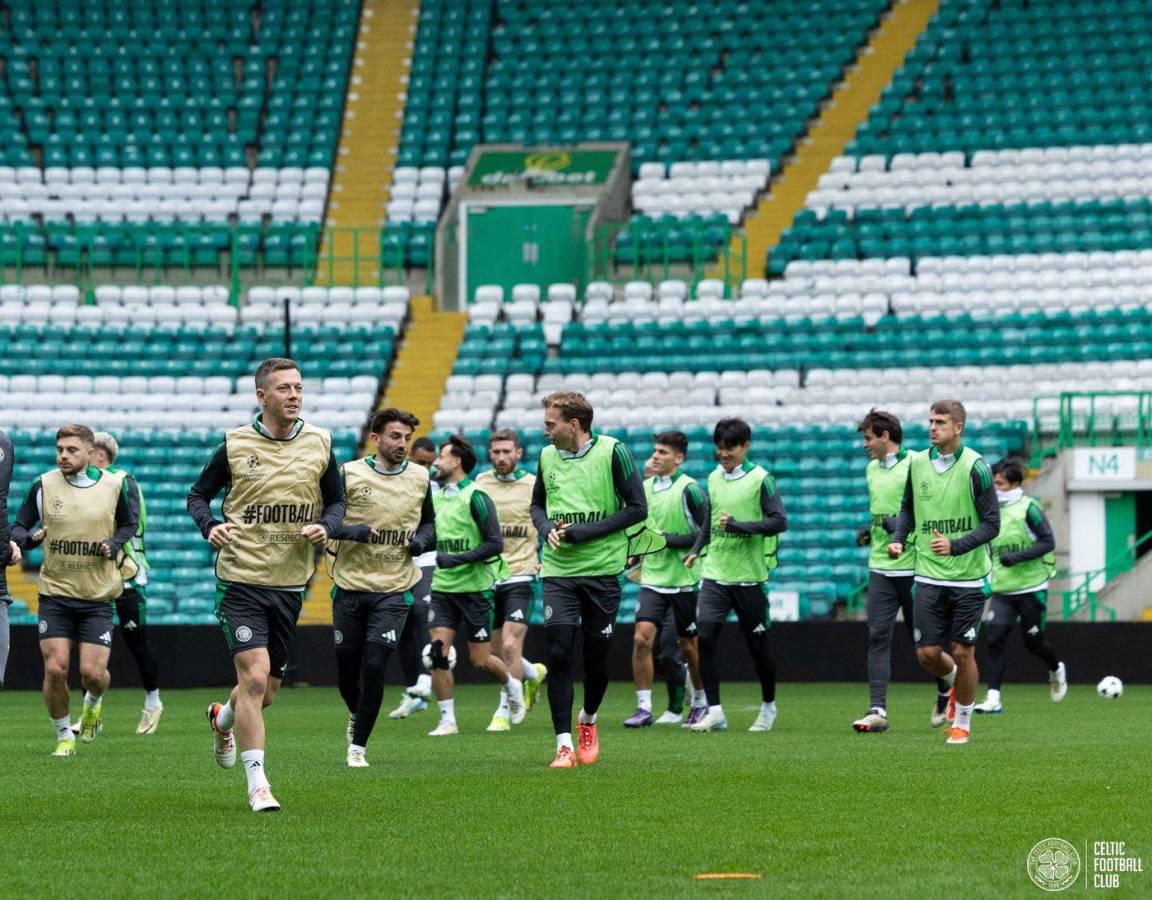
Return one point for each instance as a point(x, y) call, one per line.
point(510, 245)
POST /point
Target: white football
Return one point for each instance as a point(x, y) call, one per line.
point(1110, 687)
point(426, 655)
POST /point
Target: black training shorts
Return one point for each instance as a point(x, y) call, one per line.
point(80, 621)
point(132, 609)
point(945, 614)
point(652, 606)
point(254, 617)
point(750, 602)
point(473, 609)
point(514, 603)
point(592, 601)
point(360, 617)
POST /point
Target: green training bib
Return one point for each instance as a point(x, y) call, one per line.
point(580, 490)
point(885, 495)
point(1014, 536)
point(943, 502)
point(738, 558)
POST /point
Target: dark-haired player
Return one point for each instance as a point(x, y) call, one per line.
point(418, 690)
point(1022, 562)
point(389, 521)
point(747, 517)
point(889, 580)
point(468, 563)
point(679, 509)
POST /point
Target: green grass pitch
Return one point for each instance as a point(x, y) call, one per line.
point(813, 808)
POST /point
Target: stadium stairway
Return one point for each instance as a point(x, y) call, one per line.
point(425, 360)
point(371, 132)
point(317, 609)
point(22, 586)
point(850, 105)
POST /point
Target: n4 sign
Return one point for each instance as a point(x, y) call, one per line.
point(1105, 464)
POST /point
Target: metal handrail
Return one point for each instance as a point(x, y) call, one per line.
point(176, 252)
point(1099, 427)
point(1084, 595)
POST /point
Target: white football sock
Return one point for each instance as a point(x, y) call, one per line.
point(226, 718)
point(716, 710)
point(699, 697)
point(447, 710)
point(585, 719)
point(152, 699)
point(63, 728)
point(951, 676)
point(963, 717)
point(993, 697)
point(356, 747)
point(424, 684)
point(564, 740)
point(503, 709)
point(529, 670)
point(254, 768)
point(91, 702)
point(767, 707)
point(880, 711)
point(644, 700)
point(512, 685)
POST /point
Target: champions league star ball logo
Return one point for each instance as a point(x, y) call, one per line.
point(57, 504)
point(364, 492)
point(253, 462)
point(1053, 865)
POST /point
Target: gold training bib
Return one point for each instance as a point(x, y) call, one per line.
point(77, 520)
point(275, 492)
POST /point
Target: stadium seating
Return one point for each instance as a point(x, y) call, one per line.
point(121, 119)
point(1012, 129)
point(711, 96)
point(992, 76)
